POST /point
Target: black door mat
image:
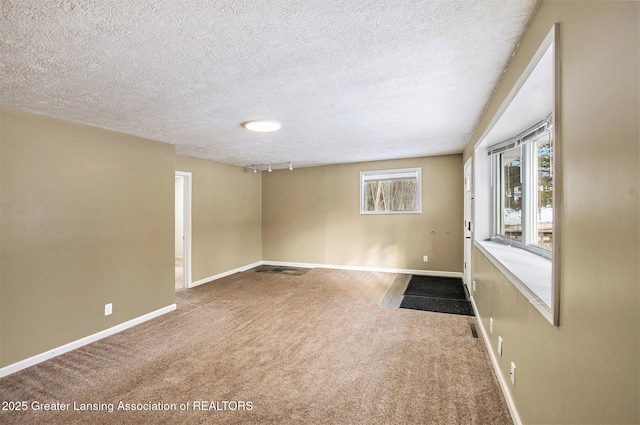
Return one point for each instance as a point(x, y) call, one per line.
point(438, 305)
point(436, 287)
point(294, 271)
point(437, 294)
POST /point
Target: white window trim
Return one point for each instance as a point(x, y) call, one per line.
point(525, 141)
point(397, 174)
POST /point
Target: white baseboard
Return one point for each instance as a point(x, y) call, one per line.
point(224, 274)
point(494, 361)
point(324, 266)
point(23, 364)
point(364, 268)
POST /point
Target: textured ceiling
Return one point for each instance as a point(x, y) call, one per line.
point(350, 81)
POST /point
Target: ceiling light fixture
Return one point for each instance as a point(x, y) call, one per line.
point(262, 126)
point(270, 167)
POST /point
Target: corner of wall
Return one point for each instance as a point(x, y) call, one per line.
point(1, 138)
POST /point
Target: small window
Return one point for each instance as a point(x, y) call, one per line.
point(391, 191)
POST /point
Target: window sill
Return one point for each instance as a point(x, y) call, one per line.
point(528, 272)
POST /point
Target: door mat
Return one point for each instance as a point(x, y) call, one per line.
point(293, 271)
point(437, 294)
point(437, 305)
point(436, 287)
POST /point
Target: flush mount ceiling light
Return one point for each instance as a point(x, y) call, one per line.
point(262, 126)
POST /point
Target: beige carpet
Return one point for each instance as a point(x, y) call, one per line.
point(311, 349)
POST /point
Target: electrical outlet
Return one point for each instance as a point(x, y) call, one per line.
point(425, 258)
point(491, 324)
point(108, 309)
point(512, 375)
point(500, 345)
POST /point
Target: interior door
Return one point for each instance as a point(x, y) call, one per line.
point(183, 229)
point(467, 225)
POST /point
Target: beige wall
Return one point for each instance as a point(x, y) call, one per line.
point(87, 219)
point(226, 216)
point(587, 369)
point(1, 298)
point(312, 215)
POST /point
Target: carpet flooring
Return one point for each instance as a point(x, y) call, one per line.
point(311, 349)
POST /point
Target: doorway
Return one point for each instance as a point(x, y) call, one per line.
point(468, 200)
point(182, 230)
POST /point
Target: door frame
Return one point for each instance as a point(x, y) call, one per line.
point(186, 209)
point(468, 223)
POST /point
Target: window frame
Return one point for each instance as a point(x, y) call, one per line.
point(525, 142)
point(395, 174)
point(539, 279)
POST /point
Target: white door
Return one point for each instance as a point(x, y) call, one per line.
point(467, 225)
point(183, 229)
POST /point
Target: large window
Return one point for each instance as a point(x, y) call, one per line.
point(517, 175)
point(523, 190)
point(391, 191)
